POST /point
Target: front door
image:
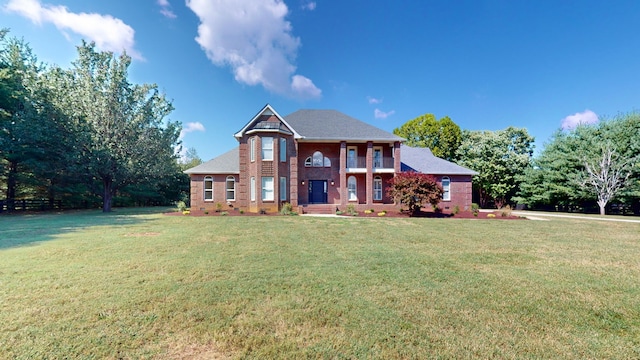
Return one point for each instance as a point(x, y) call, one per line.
point(317, 191)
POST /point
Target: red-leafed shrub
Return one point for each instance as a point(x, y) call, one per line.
point(415, 190)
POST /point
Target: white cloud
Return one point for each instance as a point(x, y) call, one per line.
point(109, 33)
point(373, 100)
point(311, 5)
point(255, 40)
point(581, 118)
point(191, 127)
point(378, 114)
point(165, 9)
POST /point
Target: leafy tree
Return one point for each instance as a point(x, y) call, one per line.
point(415, 190)
point(501, 159)
point(442, 136)
point(190, 159)
point(130, 141)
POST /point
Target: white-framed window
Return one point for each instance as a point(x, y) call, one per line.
point(377, 188)
point(267, 148)
point(446, 188)
point(231, 188)
point(283, 149)
point(307, 162)
point(283, 188)
point(327, 162)
point(208, 188)
point(317, 159)
point(267, 188)
point(252, 149)
point(352, 188)
point(377, 156)
point(352, 157)
point(252, 190)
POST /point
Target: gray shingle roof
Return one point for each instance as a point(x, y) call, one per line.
point(227, 163)
point(422, 160)
point(322, 125)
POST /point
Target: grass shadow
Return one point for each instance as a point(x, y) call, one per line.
point(22, 229)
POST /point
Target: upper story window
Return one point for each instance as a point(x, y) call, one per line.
point(231, 188)
point(267, 148)
point(377, 157)
point(283, 149)
point(208, 188)
point(317, 160)
point(252, 149)
point(446, 188)
point(352, 157)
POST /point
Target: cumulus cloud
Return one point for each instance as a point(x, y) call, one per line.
point(379, 114)
point(109, 33)
point(581, 118)
point(254, 39)
point(191, 127)
point(311, 5)
point(165, 9)
point(373, 100)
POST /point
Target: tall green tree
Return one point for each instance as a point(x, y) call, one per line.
point(442, 136)
point(501, 159)
point(131, 140)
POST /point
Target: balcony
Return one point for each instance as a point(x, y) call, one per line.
point(380, 165)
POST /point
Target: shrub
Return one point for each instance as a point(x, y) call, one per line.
point(351, 210)
point(382, 213)
point(224, 213)
point(186, 212)
point(287, 209)
point(475, 208)
point(370, 211)
point(414, 190)
point(505, 211)
point(181, 205)
point(456, 210)
point(491, 216)
point(338, 212)
point(206, 212)
point(241, 211)
point(218, 207)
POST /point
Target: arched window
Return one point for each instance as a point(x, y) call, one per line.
point(327, 162)
point(231, 188)
point(446, 188)
point(377, 188)
point(352, 187)
point(208, 188)
point(318, 159)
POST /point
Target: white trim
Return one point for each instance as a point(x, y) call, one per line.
point(205, 190)
point(282, 150)
point(355, 159)
point(226, 188)
point(262, 148)
point(283, 188)
point(252, 189)
point(353, 191)
point(446, 192)
point(377, 179)
point(267, 188)
point(266, 110)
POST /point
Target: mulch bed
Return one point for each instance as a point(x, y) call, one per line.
point(390, 214)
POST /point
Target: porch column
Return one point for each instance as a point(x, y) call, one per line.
point(343, 174)
point(293, 172)
point(369, 177)
point(396, 157)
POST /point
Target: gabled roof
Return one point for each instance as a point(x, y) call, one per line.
point(331, 125)
point(422, 160)
point(266, 110)
point(227, 163)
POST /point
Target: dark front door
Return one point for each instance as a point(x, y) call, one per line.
point(317, 191)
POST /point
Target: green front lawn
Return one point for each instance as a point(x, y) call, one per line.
point(137, 284)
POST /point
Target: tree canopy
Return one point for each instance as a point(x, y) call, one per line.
point(442, 136)
point(414, 190)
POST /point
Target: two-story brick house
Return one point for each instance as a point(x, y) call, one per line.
point(316, 160)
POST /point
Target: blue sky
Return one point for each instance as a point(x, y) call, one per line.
point(538, 64)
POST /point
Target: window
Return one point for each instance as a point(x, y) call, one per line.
point(377, 188)
point(377, 157)
point(252, 149)
point(267, 148)
point(446, 187)
point(208, 188)
point(283, 188)
point(253, 188)
point(267, 188)
point(231, 188)
point(327, 162)
point(352, 188)
point(307, 162)
point(352, 157)
point(283, 149)
point(318, 159)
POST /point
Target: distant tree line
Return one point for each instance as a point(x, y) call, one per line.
point(84, 136)
point(590, 167)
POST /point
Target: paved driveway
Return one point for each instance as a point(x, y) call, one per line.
point(533, 215)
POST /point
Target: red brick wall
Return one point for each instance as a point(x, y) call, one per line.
point(460, 189)
point(219, 193)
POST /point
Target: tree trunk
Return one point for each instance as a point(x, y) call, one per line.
point(602, 207)
point(107, 194)
point(11, 185)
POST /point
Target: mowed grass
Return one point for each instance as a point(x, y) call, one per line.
point(145, 285)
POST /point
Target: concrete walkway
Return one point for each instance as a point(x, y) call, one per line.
point(533, 215)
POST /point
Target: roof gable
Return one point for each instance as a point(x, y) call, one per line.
point(264, 121)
